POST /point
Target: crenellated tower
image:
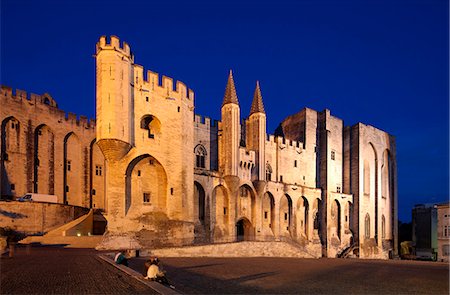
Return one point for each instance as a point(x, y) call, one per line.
point(256, 133)
point(114, 92)
point(231, 130)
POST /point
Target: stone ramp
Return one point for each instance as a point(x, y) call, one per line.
point(238, 249)
point(68, 242)
point(74, 234)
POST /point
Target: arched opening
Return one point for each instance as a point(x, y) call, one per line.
point(152, 125)
point(97, 173)
point(11, 160)
point(367, 226)
point(366, 178)
point(336, 218)
point(348, 215)
point(200, 156)
point(268, 213)
point(246, 202)
point(44, 160)
point(244, 230)
point(73, 168)
point(268, 172)
point(383, 227)
point(221, 204)
point(285, 214)
point(146, 184)
point(199, 199)
point(303, 216)
point(374, 188)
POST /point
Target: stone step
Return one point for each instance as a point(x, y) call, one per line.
point(238, 249)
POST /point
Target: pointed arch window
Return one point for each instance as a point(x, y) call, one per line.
point(200, 156)
point(268, 172)
point(383, 227)
point(367, 227)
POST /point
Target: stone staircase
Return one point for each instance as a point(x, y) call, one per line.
point(238, 249)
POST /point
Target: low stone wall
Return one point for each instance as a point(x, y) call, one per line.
point(36, 217)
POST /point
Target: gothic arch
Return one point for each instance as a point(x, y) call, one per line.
point(246, 202)
point(221, 205)
point(244, 230)
point(268, 172)
point(200, 202)
point(44, 160)
point(268, 212)
point(285, 214)
point(200, 156)
point(367, 226)
point(303, 216)
point(11, 173)
point(336, 218)
point(73, 170)
point(146, 182)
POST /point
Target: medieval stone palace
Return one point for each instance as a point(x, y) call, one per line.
point(165, 176)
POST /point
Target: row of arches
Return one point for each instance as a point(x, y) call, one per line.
point(377, 191)
point(265, 217)
point(30, 162)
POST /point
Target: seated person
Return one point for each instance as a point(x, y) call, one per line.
point(121, 258)
point(154, 272)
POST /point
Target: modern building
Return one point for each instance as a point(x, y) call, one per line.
point(425, 230)
point(443, 232)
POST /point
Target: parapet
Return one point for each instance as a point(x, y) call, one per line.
point(205, 121)
point(45, 101)
point(152, 82)
point(283, 142)
point(114, 44)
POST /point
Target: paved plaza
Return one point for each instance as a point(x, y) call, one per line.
point(303, 276)
point(56, 270)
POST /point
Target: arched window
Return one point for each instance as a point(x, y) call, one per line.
point(152, 124)
point(268, 172)
point(367, 226)
point(383, 227)
point(200, 156)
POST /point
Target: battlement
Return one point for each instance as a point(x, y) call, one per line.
point(45, 100)
point(152, 82)
point(283, 142)
point(206, 121)
point(114, 44)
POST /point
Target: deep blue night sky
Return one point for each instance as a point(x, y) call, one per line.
point(381, 62)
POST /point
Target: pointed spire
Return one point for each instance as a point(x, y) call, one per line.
point(257, 104)
point(230, 95)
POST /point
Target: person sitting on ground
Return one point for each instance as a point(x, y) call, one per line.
point(121, 258)
point(154, 272)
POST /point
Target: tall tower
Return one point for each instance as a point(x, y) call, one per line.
point(114, 77)
point(231, 130)
point(256, 133)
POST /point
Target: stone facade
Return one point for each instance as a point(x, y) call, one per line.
point(175, 178)
point(46, 151)
point(443, 232)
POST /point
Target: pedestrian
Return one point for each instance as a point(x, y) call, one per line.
point(121, 258)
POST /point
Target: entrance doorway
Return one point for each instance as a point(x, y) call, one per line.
point(244, 230)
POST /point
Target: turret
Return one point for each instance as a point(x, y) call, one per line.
point(114, 83)
point(231, 130)
point(256, 133)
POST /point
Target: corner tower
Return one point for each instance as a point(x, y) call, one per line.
point(256, 133)
point(114, 96)
point(231, 130)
